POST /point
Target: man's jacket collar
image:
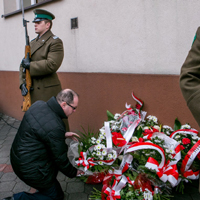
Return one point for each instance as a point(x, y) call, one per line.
point(55, 106)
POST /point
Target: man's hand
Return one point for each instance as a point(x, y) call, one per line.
point(24, 90)
point(72, 135)
point(79, 172)
point(26, 62)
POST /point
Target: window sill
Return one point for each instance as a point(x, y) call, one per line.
point(26, 8)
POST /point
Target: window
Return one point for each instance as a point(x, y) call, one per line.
point(12, 7)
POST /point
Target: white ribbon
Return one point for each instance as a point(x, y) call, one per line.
point(108, 136)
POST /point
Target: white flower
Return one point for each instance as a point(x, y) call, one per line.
point(157, 127)
point(114, 152)
point(148, 195)
point(167, 150)
point(98, 153)
point(93, 138)
point(93, 153)
point(170, 156)
point(101, 157)
point(185, 126)
point(195, 137)
point(103, 146)
point(153, 118)
point(102, 130)
point(118, 122)
point(177, 136)
point(171, 151)
point(114, 127)
point(104, 152)
point(102, 136)
point(110, 156)
point(114, 156)
point(120, 157)
point(100, 163)
point(179, 141)
point(129, 185)
point(98, 147)
point(146, 127)
point(168, 127)
point(117, 115)
point(93, 142)
point(98, 141)
point(134, 139)
point(112, 121)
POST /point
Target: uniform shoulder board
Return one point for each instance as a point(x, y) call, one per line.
point(55, 37)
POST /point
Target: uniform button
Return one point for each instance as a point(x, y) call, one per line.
point(38, 88)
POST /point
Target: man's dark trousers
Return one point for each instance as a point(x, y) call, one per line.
point(53, 193)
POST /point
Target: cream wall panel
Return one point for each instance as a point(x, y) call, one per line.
point(114, 36)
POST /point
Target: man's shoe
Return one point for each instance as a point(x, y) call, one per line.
point(8, 198)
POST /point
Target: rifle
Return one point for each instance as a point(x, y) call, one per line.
point(27, 98)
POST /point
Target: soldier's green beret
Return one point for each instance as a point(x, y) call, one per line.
point(41, 15)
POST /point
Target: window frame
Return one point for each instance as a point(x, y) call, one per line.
point(26, 8)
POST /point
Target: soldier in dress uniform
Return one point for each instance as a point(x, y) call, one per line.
point(46, 57)
point(190, 78)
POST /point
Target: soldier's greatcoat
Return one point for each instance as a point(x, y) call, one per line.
point(190, 78)
point(46, 57)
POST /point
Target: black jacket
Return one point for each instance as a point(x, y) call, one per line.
point(39, 149)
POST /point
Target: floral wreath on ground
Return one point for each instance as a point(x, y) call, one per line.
point(136, 157)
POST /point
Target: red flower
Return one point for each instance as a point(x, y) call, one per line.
point(186, 141)
point(141, 139)
point(182, 147)
point(118, 139)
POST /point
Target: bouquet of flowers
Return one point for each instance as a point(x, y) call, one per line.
point(136, 157)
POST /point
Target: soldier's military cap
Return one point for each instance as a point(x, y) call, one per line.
point(41, 15)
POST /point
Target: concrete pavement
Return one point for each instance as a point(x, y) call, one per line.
point(73, 188)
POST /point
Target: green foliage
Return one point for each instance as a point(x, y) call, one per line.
point(110, 115)
point(85, 139)
point(177, 124)
point(96, 195)
point(138, 132)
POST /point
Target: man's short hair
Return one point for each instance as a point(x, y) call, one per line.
point(46, 21)
point(66, 96)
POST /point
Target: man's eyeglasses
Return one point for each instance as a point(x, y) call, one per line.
point(74, 108)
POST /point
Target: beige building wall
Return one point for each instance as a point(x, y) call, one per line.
point(125, 36)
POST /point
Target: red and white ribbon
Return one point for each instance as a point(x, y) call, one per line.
point(86, 163)
point(185, 131)
point(147, 145)
point(188, 160)
point(139, 102)
point(130, 181)
point(165, 172)
point(170, 143)
point(114, 192)
point(127, 160)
